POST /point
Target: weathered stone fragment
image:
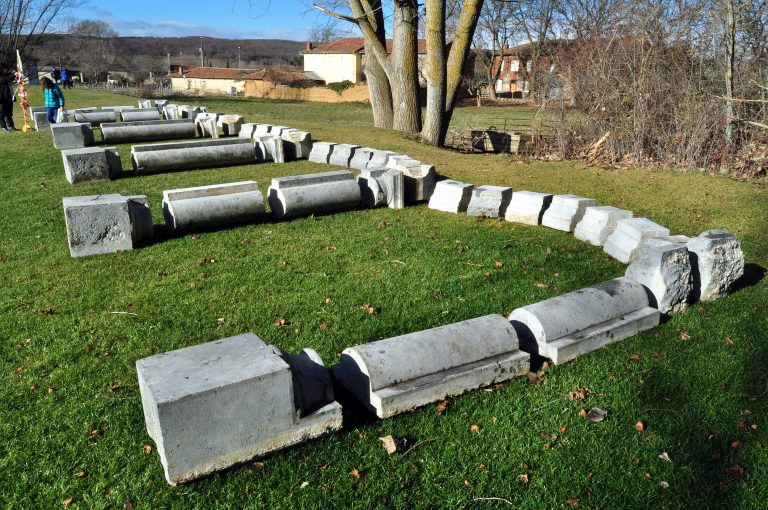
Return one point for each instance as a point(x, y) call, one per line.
point(140, 114)
point(489, 201)
point(148, 131)
point(664, 268)
point(91, 164)
point(398, 374)
point(212, 206)
point(321, 152)
point(269, 148)
point(40, 121)
point(717, 262)
point(230, 124)
point(313, 193)
point(106, 223)
point(379, 158)
point(623, 244)
point(451, 196)
point(598, 223)
point(527, 207)
point(565, 327)
point(361, 158)
point(145, 104)
point(565, 212)
point(214, 405)
point(420, 179)
point(72, 135)
point(160, 104)
point(195, 154)
point(296, 144)
point(206, 125)
point(342, 154)
point(247, 130)
point(382, 186)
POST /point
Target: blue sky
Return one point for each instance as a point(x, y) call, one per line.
point(233, 19)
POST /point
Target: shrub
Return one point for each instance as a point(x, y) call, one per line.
point(340, 86)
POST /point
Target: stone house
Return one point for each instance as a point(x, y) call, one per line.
point(211, 80)
point(512, 67)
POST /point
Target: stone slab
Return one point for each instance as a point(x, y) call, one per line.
point(527, 207)
point(382, 186)
point(269, 148)
point(230, 124)
point(72, 135)
point(321, 152)
point(489, 201)
point(624, 242)
point(191, 155)
point(148, 131)
point(91, 164)
point(451, 196)
point(206, 125)
point(565, 327)
point(342, 154)
point(218, 404)
point(212, 206)
point(361, 158)
point(140, 114)
point(313, 193)
point(565, 212)
point(96, 118)
point(664, 268)
point(40, 121)
point(296, 144)
point(718, 262)
point(598, 223)
point(398, 374)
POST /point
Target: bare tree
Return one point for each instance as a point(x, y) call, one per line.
point(537, 21)
point(496, 29)
point(91, 43)
point(24, 22)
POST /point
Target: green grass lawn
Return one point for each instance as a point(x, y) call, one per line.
point(72, 424)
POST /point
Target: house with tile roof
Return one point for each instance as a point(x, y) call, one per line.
point(212, 80)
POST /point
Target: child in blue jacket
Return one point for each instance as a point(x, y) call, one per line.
point(54, 99)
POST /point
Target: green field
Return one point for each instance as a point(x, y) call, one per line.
point(72, 424)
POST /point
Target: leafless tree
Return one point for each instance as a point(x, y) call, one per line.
point(24, 22)
point(91, 43)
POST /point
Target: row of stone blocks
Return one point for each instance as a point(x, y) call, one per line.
point(214, 405)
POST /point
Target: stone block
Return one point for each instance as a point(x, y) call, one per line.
point(262, 129)
point(206, 125)
point(361, 158)
point(663, 267)
point(269, 148)
point(106, 223)
point(141, 114)
point(165, 157)
point(296, 144)
point(382, 186)
point(91, 164)
point(160, 104)
point(527, 207)
point(72, 135)
point(301, 195)
point(148, 131)
point(117, 109)
point(565, 212)
point(451, 196)
point(398, 374)
point(565, 327)
point(342, 154)
point(624, 242)
point(321, 152)
point(96, 118)
point(247, 130)
point(420, 179)
point(189, 112)
point(230, 124)
point(145, 103)
point(598, 223)
point(489, 201)
point(401, 162)
point(379, 158)
point(214, 405)
point(171, 112)
point(717, 261)
point(40, 121)
point(213, 206)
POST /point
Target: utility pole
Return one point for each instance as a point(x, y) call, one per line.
point(239, 65)
point(202, 64)
point(169, 64)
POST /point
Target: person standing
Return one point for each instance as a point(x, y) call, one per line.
point(66, 80)
point(7, 78)
point(56, 75)
point(54, 99)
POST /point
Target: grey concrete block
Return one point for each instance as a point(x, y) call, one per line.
point(451, 196)
point(382, 186)
point(489, 201)
point(211, 406)
point(72, 135)
point(663, 267)
point(139, 114)
point(342, 154)
point(565, 212)
point(321, 152)
point(195, 154)
point(717, 261)
point(565, 327)
point(171, 112)
point(212, 206)
point(527, 207)
point(598, 223)
point(313, 193)
point(624, 242)
point(106, 223)
point(399, 374)
point(148, 131)
point(91, 164)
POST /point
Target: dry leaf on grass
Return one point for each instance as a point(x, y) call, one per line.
point(498, 265)
point(474, 428)
point(572, 501)
point(304, 485)
point(540, 285)
point(67, 502)
point(685, 336)
point(147, 449)
point(728, 341)
point(370, 309)
point(596, 414)
point(280, 323)
point(635, 357)
point(735, 470)
point(356, 475)
point(523, 477)
point(665, 457)
point(640, 426)
point(579, 395)
point(442, 406)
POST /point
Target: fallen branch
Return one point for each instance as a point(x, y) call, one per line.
point(125, 313)
point(493, 499)
point(757, 124)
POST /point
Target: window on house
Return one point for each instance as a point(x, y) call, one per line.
point(503, 65)
point(515, 66)
point(528, 66)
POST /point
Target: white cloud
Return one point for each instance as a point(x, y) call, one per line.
point(168, 28)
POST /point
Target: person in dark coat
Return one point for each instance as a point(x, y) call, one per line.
point(7, 78)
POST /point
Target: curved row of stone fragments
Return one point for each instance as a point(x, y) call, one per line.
point(221, 403)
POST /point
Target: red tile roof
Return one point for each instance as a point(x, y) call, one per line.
point(355, 45)
point(218, 73)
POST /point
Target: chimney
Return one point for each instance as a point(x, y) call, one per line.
point(309, 46)
point(506, 46)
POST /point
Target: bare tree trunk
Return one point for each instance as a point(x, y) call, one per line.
point(435, 72)
point(378, 83)
point(730, 50)
point(457, 59)
point(404, 70)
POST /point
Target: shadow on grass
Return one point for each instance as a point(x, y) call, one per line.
point(753, 274)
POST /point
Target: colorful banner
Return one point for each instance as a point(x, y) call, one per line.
point(22, 92)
